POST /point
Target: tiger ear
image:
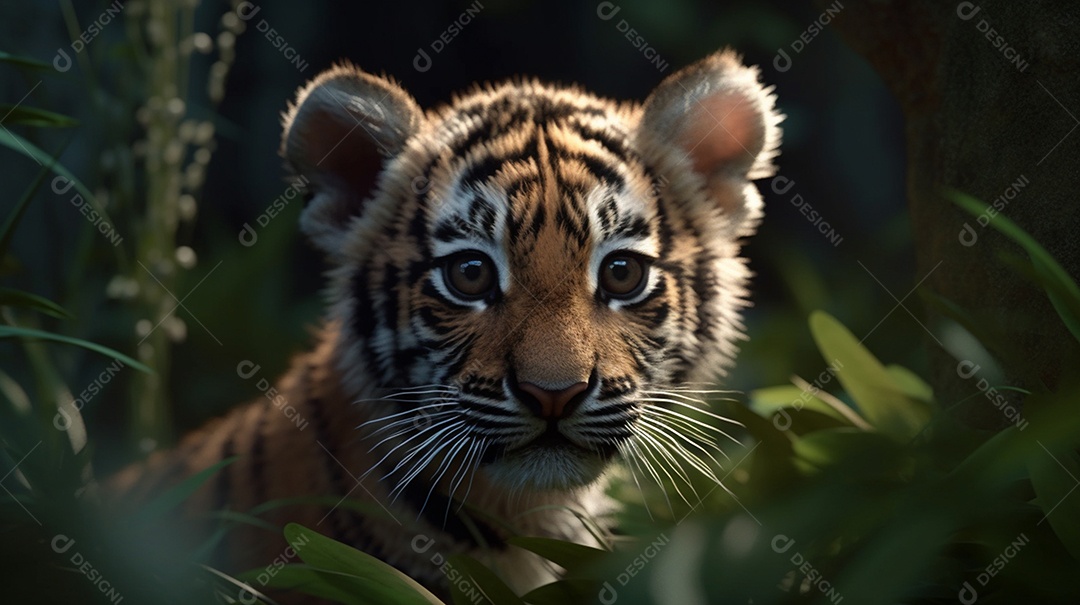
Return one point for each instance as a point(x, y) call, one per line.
point(338, 136)
point(717, 120)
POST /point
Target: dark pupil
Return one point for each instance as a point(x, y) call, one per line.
point(471, 270)
point(620, 269)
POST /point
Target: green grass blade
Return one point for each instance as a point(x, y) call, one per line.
point(16, 332)
point(483, 579)
point(1053, 477)
point(7, 231)
point(17, 298)
point(33, 116)
point(562, 592)
point(28, 149)
point(172, 498)
point(565, 554)
point(328, 586)
point(23, 61)
point(1059, 285)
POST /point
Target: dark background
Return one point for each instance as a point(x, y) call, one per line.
point(842, 147)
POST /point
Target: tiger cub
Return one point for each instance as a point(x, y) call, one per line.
point(520, 282)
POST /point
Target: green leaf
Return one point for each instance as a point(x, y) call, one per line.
point(572, 590)
point(172, 497)
point(23, 61)
point(881, 401)
point(33, 116)
point(329, 585)
point(483, 579)
point(28, 149)
point(17, 298)
point(847, 445)
point(7, 231)
point(378, 582)
point(895, 559)
point(909, 383)
point(14, 393)
point(1059, 285)
point(568, 555)
point(15, 332)
point(1055, 476)
point(790, 398)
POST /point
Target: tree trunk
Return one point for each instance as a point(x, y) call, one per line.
point(990, 93)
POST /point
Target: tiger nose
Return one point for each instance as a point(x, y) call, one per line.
point(554, 405)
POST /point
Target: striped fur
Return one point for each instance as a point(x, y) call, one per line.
point(410, 395)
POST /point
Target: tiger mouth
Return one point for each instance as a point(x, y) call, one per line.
point(551, 438)
point(555, 440)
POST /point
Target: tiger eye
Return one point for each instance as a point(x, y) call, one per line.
point(623, 275)
point(470, 275)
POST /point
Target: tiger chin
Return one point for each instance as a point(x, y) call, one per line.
point(521, 283)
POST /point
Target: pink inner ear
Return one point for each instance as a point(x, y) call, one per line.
point(339, 148)
point(722, 131)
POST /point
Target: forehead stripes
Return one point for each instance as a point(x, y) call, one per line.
point(535, 159)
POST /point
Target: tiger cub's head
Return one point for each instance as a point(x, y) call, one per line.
point(532, 269)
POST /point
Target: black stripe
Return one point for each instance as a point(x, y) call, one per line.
point(601, 168)
point(489, 166)
point(258, 458)
point(607, 212)
point(482, 214)
point(539, 216)
point(490, 424)
point(433, 322)
point(570, 224)
point(484, 408)
point(614, 144)
point(472, 388)
point(341, 518)
point(223, 485)
point(702, 283)
point(363, 324)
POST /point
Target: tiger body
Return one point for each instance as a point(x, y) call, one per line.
point(520, 282)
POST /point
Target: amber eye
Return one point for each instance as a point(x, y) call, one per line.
point(623, 275)
point(470, 275)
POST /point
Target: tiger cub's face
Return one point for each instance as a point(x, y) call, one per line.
point(532, 270)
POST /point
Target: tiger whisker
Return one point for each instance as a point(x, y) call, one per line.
point(688, 427)
point(671, 439)
point(416, 449)
point(442, 440)
point(693, 421)
point(702, 410)
point(700, 443)
point(484, 444)
point(443, 468)
point(627, 453)
point(408, 424)
point(412, 420)
point(459, 475)
point(412, 411)
point(402, 444)
point(700, 438)
point(652, 471)
point(652, 446)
